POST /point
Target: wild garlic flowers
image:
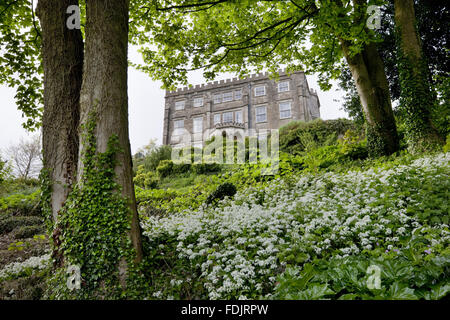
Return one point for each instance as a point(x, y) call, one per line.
point(236, 247)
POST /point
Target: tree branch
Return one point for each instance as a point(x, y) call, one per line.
point(192, 5)
point(8, 5)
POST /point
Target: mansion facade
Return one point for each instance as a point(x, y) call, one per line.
point(254, 104)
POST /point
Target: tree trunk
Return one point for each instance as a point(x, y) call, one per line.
point(370, 79)
point(417, 98)
point(104, 92)
point(62, 54)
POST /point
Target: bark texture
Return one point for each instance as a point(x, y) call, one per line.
point(104, 92)
point(62, 54)
point(417, 96)
point(367, 70)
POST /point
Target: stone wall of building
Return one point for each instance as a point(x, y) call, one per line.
point(242, 99)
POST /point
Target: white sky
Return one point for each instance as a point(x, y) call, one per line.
point(146, 107)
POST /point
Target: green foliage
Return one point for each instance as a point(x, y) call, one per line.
point(165, 168)
point(5, 171)
point(18, 246)
point(224, 190)
point(21, 204)
point(188, 36)
point(20, 61)
point(350, 147)
point(353, 146)
point(298, 136)
point(10, 223)
point(145, 179)
point(179, 168)
point(376, 134)
point(168, 168)
point(18, 186)
point(170, 200)
point(446, 148)
point(204, 167)
point(151, 160)
point(440, 114)
point(27, 231)
point(347, 279)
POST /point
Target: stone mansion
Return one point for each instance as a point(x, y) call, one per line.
point(255, 103)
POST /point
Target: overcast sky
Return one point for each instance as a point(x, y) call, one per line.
point(146, 107)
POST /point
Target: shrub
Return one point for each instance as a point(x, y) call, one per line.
point(21, 204)
point(147, 180)
point(181, 168)
point(152, 159)
point(8, 224)
point(224, 190)
point(165, 168)
point(297, 136)
point(447, 145)
point(27, 231)
point(201, 168)
point(22, 186)
point(353, 146)
point(5, 171)
point(323, 157)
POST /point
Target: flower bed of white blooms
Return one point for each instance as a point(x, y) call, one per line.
point(17, 268)
point(236, 246)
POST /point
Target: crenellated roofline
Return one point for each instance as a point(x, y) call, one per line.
point(226, 82)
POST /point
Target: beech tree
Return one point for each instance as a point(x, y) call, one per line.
point(104, 93)
point(236, 36)
point(432, 20)
point(417, 97)
point(87, 156)
point(62, 61)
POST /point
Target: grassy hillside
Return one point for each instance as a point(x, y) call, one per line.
point(330, 223)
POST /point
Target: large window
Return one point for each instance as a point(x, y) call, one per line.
point(178, 126)
point(283, 86)
point(261, 114)
point(218, 98)
point(260, 91)
point(238, 116)
point(228, 96)
point(179, 105)
point(217, 118)
point(198, 125)
point(285, 109)
point(237, 94)
point(228, 117)
point(198, 102)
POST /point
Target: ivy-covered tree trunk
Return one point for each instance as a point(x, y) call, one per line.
point(416, 98)
point(104, 99)
point(62, 54)
point(370, 79)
